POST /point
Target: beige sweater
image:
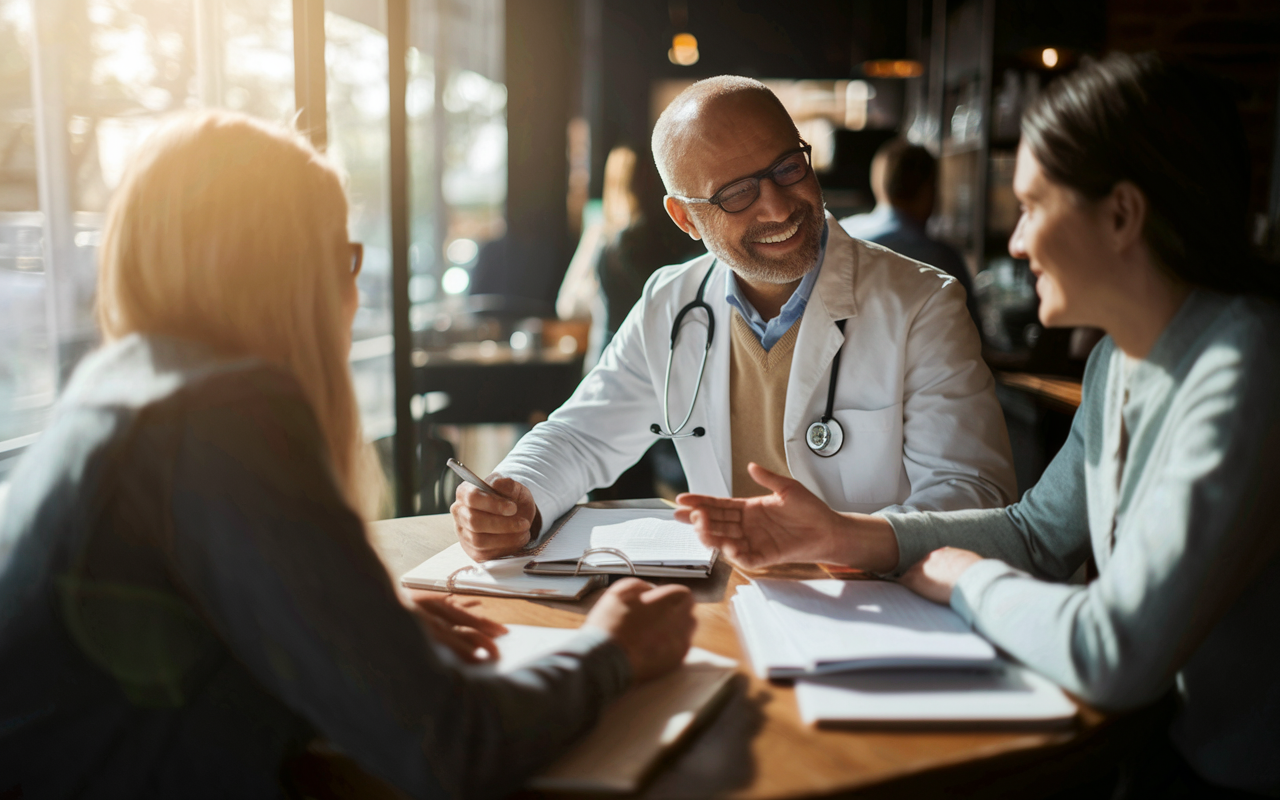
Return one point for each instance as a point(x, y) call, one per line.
point(757, 400)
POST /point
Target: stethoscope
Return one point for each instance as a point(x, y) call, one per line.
point(824, 437)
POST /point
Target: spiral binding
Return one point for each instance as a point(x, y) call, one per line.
point(610, 550)
point(451, 582)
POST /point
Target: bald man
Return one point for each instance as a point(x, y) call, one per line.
point(822, 358)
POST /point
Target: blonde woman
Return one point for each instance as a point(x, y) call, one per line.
point(189, 597)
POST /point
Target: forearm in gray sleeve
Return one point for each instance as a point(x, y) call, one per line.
point(496, 730)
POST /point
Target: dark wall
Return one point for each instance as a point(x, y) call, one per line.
point(542, 75)
point(811, 39)
point(1238, 40)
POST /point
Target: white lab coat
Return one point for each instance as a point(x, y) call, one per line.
point(922, 427)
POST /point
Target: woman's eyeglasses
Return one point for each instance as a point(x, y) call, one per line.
point(357, 257)
point(738, 196)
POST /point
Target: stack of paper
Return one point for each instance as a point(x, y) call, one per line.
point(651, 540)
point(795, 628)
point(1008, 694)
point(451, 570)
point(873, 652)
point(633, 732)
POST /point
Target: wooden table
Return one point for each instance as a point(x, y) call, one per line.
point(756, 746)
point(1060, 394)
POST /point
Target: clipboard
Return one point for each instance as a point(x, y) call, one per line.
point(639, 553)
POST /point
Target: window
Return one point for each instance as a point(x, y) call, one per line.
point(457, 106)
point(357, 98)
point(78, 99)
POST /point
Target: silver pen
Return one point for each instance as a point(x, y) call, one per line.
point(475, 480)
point(470, 477)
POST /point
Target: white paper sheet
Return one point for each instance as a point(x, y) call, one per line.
point(523, 643)
point(771, 653)
point(871, 624)
point(1009, 694)
point(649, 536)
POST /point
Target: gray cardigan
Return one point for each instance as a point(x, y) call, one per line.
point(186, 601)
point(1188, 593)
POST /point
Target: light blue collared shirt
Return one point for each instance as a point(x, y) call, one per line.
point(769, 332)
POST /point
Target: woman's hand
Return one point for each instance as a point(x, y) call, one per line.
point(789, 526)
point(934, 576)
point(652, 624)
point(468, 635)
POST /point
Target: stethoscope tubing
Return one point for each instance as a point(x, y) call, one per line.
point(697, 302)
point(832, 435)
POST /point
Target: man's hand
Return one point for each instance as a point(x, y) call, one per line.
point(653, 625)
point(934, 576)
point(490, 527)
point(791, 525)
point(464, 633)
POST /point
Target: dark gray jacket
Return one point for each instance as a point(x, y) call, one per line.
point(185, 600)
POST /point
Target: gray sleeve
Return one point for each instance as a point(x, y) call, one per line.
point(1183, 554)
point(282, 570)
point(1046, 533)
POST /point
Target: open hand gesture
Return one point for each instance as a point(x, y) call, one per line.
point(790, 525)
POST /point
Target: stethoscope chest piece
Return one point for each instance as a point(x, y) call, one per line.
point(824, 438)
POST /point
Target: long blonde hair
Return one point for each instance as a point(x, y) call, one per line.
point(619, 201)
point(232, 232)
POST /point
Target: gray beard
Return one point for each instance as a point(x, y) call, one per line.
point(786, 269)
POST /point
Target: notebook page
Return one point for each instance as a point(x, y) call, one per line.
point(833, 621)
point(645, 535)
point(500, 576)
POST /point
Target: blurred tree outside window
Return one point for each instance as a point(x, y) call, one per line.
point(82, 83)
point(457, 107)
point(357, 98)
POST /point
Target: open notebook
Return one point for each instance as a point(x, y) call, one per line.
point(622, 541)
point(795, 628)
point(632, 733)
point(451, 570)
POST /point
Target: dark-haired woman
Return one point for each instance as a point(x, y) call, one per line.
point(1133, 179)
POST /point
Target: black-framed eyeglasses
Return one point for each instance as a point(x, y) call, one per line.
point(357, 257)
point(738, 196)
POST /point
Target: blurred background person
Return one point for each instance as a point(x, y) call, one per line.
point(188, 597)
point(904, 178)
point(639, 239)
